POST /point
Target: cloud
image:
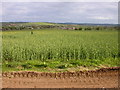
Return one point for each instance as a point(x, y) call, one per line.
point(60, 1)
point(91, 12)
point(102, 18)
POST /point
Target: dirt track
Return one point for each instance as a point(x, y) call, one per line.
point(102, 78)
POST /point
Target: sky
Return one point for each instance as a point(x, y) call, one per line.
point(60, 12)
point(60, 0)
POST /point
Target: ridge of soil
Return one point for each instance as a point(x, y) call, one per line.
point(100, 78)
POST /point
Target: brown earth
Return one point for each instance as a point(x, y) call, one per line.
point(101, 78)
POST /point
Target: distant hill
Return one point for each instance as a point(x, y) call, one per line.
point(28, 23)
point(39, 23)
point(90, 24)
point(52, 23)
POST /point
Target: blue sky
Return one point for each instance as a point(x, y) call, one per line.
point(60, 12)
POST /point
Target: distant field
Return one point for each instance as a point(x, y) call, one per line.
point(39, 23)
point(47, 50)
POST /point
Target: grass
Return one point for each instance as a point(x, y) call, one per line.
point(55, 66)
point(58, 50)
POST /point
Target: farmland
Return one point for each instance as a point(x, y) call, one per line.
point(60, 44)
point(59, 50)
point(48, 55)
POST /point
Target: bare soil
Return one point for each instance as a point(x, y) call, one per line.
point(101, 78)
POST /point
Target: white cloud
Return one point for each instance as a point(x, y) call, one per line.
point(61, 12)
point(102, 18)
point(0, 9)
point(60, 1)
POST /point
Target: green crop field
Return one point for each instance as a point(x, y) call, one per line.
point(58, 49)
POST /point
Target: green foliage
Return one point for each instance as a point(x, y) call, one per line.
point(31, 32)
point(62, 66)
point(60, 48)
